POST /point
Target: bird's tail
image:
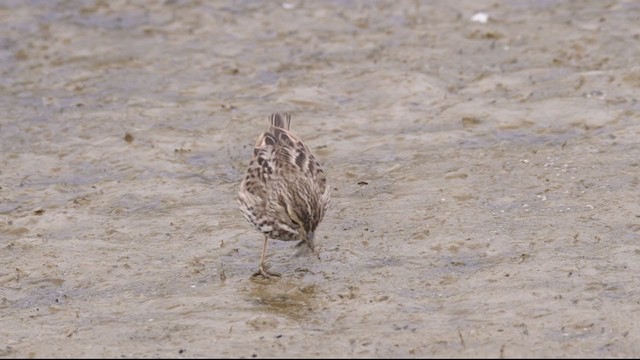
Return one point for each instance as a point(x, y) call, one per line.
point(282, 121)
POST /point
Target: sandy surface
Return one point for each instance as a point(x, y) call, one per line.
point(485, 178)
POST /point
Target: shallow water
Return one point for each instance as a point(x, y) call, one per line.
point(485, 178)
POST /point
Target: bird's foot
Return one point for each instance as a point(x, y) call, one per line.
point(262, 271)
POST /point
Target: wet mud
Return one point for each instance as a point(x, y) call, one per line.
point(484, 176)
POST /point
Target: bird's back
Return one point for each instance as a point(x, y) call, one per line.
point(285, 191)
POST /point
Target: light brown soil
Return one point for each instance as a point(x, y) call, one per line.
point(485, 178)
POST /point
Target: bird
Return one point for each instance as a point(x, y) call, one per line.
point(284, 193)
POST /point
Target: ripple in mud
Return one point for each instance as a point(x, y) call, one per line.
point(284, 297)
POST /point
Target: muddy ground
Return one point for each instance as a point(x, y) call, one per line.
point(485, 178)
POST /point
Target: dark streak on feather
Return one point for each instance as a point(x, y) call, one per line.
point(301, 158)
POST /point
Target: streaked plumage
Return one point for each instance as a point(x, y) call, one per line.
point(284, 194)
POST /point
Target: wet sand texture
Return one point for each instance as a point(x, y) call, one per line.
point(485, 178)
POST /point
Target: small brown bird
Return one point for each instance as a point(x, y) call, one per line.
point(284, 194)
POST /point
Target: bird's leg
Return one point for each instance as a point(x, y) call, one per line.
point(262, 269)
